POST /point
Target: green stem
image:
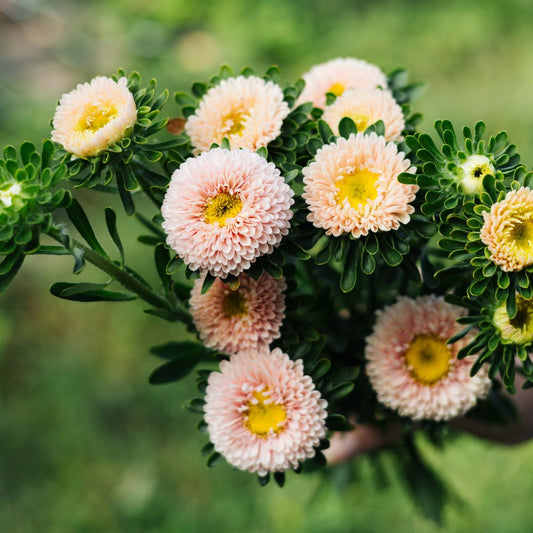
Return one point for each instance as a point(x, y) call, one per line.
point(120, 274)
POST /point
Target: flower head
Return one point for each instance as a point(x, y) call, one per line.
point(508, 231)
point(519, 329)
point(249, 111)
point(263, 414)
point(94, 116)
point(365, 106)
point(474, 169)
point(224, 209)
point(413, 369)
point(352, 186)
point(338, 75)
point(7, 195)
point(237, 320)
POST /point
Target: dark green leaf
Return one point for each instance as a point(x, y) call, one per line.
point(81, 222)
point(111, 221)
point(89, 292)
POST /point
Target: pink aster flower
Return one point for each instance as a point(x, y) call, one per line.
point(508, 230)
point(249, 111)
point(224, 209)
point(352, 186)
point(247, 318)
point(412, 368)
point(263, 414)
point(338, 75)
point(94, 116)
point(365, 106)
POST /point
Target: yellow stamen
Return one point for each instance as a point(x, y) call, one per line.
point(235, 122)
point(337, 89)
point(358, 188)
point(221, 207)
point(361, 121)
point(522, 234)
point(263, 416)
point(96, 117)
point(234, 304)
point(428, 358)
point(519, 329)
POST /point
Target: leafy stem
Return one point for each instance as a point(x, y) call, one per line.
point(120, 273)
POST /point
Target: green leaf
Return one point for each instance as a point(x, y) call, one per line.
point(183, 358)
point(111, 222)
point(89, 292)
point(349, 269)
point(325, 132)
point(213, 459)
point(320, 368)
point(391, 256)
point(81, 222)
point(7, 277)
point(208, 282)
point(338, 422)
point(162, 258)
point(339, 391)
point(347, 127)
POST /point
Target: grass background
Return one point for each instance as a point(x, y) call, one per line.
point(85, 443)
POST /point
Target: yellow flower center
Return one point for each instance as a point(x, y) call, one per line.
point(519, 329)
point(263, 416)
point(234, 122)
point(337, 89)
point(234, 304)
point(361, 121)
point(358, 188)
point(221, 207)
point(96, 117)
point(522, 234)
point(428, 358)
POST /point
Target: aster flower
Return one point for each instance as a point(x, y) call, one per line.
point(519, 329)
point(262, 413)
point(28, 196)
point(246, 318)
point(338, 75)
point(412, 368)
point(94, 116)
point(249, 111)
point(365, 106)
point(224, 209)
point(455, 173)
point(508, 231)
point(474, 169)
point(352, 187)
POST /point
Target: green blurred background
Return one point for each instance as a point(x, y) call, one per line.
point(85, 443)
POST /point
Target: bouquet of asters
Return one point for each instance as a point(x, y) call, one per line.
point(336, 269)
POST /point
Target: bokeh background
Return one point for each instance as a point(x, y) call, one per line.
point(85, 443)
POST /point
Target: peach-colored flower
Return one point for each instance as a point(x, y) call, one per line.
point(412, 368)
point(94, 116)
point(508, 230)
point(365, 106)
point(338, 75)
point(263, 414)
point(249, 111)
point(237, 320)
point(352, 186)
point(224, 209)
